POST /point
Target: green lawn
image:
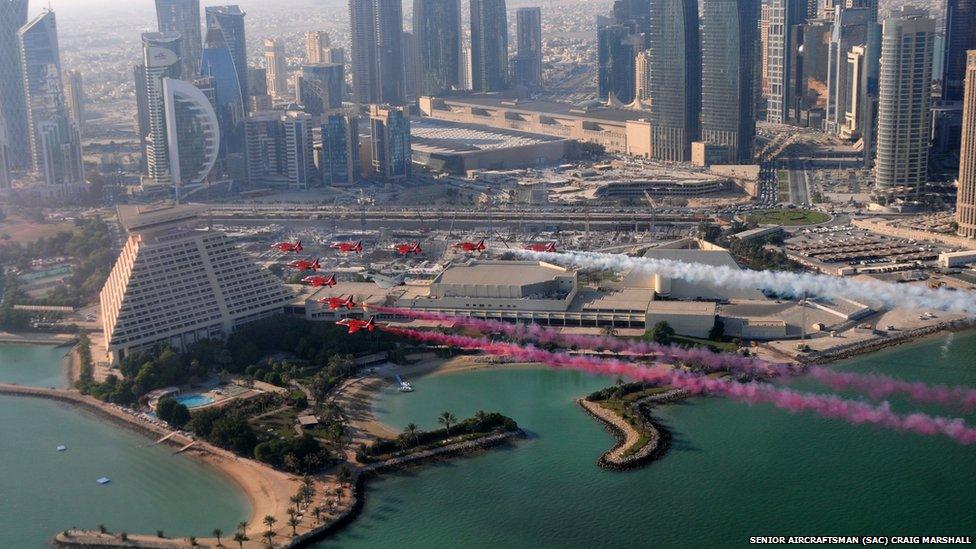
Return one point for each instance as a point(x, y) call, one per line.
point(787, 217)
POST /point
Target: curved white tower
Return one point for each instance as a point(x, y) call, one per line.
point(192, 132)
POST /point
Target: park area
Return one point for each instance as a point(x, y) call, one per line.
point(788, 217)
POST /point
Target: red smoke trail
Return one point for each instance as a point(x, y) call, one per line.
point(875, 386)
point(829, 406)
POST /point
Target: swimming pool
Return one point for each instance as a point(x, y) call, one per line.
point(193, 400)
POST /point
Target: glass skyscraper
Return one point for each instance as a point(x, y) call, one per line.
point(183, 16)
point(960, 37)
point(192, 132)
point(675, 78)
point(437, 28)
point(229, 22)
point(527, 64)
point(161, 59)
point(377, 53)
point(218, 62)
point(13, 109)
point(320, 87)
point(390, 136)
point(489, 45)
point(730, 36)
point(54, 140)
point(339, 156)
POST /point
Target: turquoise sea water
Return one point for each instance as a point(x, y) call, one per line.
point(37, 365)
point(43, 491)
point(734, 471)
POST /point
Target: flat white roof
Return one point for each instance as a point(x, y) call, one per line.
point(504, 273)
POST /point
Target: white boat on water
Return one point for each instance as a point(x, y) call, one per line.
point(405, 387)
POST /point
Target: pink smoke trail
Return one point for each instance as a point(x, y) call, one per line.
point(828, 406)
point(875, 386)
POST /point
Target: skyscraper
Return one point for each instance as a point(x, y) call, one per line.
point(218, 63)
point(5, 178)
point(142, 115)
point(74, 94)
point(784, 15)
point(274, 60)
point(316, 42)
point(161, 59)
point(903, 109)
point(390, 139)
point(437, 27)
point(320, 87)
point(765, 12)
point(192, 133)
point(489, 45)
point(527, 65)
point(729, 41)
point(411, 65)
point(183, 17)
point(829, 7)
point(338, 160)
point(642, 75)
point(851, 27)
point(675, 78)
point(377, 56)
point(617, 48)
point(13, 108)
point(54, 139)
point(299, 155)
point(229, 21)
point(960, 37)
point(966, 199)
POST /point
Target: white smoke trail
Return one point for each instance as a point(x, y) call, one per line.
point(911, 296)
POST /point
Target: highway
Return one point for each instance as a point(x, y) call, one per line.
point(799, 189)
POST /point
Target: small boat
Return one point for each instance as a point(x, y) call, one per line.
point(405, 387)
point(62, 448)
point(104, 480)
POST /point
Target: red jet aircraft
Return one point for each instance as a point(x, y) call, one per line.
point(355, 325)
point(288, 247)
point(470, 246)
point(305, 265)
point(550, 247)
point(347, 247)
point(407, 249)
point(338, 303)
point(316, 281)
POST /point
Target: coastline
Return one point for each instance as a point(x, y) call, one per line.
point(267, 490)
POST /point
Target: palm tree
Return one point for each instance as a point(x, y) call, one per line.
point(193, 541)
point(269, 521)
point(294, 522)
point(480, 416)
point(344, 474)
point(242, 526)
point(102, 528)
point(240, 538)
point(411, 431)
point(446, 419)
point(338, 494)
point(269, 534)
point(295, 500)
point(217, 532)
point(317, 511)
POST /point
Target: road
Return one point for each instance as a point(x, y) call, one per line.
point(799, 188)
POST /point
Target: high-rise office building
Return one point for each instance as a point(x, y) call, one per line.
point(316, 43)
point(54, 139)
point(6, 180)
point(390, 142)
point(966, 197)
point(218, 63)
point(489, 45)
point(299, 154)
point(74, 95)
point(175, 285)
point(784, 16)
point(642, 75)
point(851, 27)
point(617, 48)
point(161, 59)
point(764, 16)
point(192, 133)
point(338, 158)
point(320, 87)
point(437, 27)
point(467, 78)
point(903, 108)
point(728, 48)
point(377, 56)
point(142, 115)
point(336, 56)
point(183, 17)
point(527, 64)
point(411, 66)
point(229, 21)
point(675, 78)
point(276, 67)
point(960, 37)
point(13, 108)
